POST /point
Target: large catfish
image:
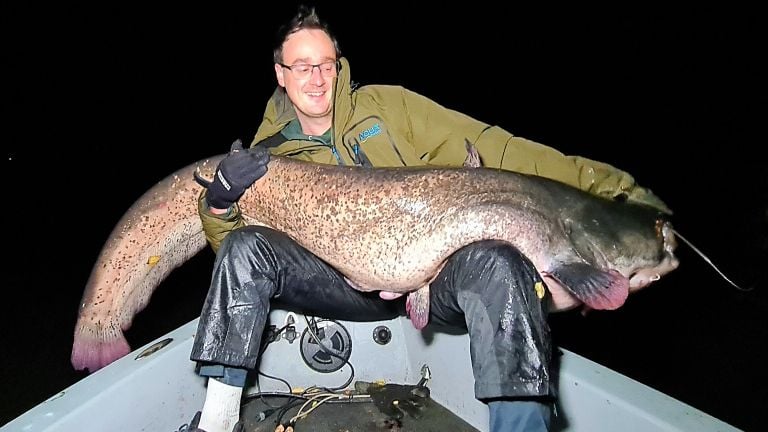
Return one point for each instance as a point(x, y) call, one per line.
point(388, 229)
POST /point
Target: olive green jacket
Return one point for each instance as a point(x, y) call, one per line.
point(381, 125)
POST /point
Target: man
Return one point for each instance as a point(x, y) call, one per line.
point(316, 114)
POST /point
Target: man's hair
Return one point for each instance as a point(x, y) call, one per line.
point(306, 18)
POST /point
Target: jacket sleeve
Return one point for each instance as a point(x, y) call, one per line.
point(499, 148)
point(440, 134)
point(217, 227)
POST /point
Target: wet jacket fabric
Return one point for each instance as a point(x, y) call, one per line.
point(390, 126)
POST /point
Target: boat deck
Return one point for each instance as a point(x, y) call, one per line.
point(358, 416)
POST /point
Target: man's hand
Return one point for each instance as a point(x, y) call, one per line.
point(235, 174)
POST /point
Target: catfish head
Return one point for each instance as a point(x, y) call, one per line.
point(613, 254)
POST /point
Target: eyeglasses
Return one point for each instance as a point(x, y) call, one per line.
point(304, 70)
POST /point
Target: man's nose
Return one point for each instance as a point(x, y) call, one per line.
point(317, 77)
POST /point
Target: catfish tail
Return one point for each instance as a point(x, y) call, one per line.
point(157, 234)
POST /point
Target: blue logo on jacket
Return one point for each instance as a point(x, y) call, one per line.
point(370, 132)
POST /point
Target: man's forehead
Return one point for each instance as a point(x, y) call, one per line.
point(309, 45)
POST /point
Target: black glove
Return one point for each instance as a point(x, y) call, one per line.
point(235, 174)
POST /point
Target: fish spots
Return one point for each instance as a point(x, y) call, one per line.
point(382, 229)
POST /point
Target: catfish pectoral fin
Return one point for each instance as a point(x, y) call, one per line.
point(598, 289)
point(417, 307)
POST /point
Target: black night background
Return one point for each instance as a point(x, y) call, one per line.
point(101, 102)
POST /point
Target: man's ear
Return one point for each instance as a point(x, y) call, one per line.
point(279, 75)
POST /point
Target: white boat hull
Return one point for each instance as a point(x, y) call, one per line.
point(161, 391)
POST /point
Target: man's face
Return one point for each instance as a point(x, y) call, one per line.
point(311, 95)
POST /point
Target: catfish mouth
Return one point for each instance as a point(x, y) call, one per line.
point(668, 261)
point(644, 277)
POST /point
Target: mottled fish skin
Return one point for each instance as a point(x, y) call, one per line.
point(391, 228)
point(384, 229)
point(159, 232)
point(417, 303)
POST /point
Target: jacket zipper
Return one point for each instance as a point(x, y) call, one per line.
point(330, 145)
